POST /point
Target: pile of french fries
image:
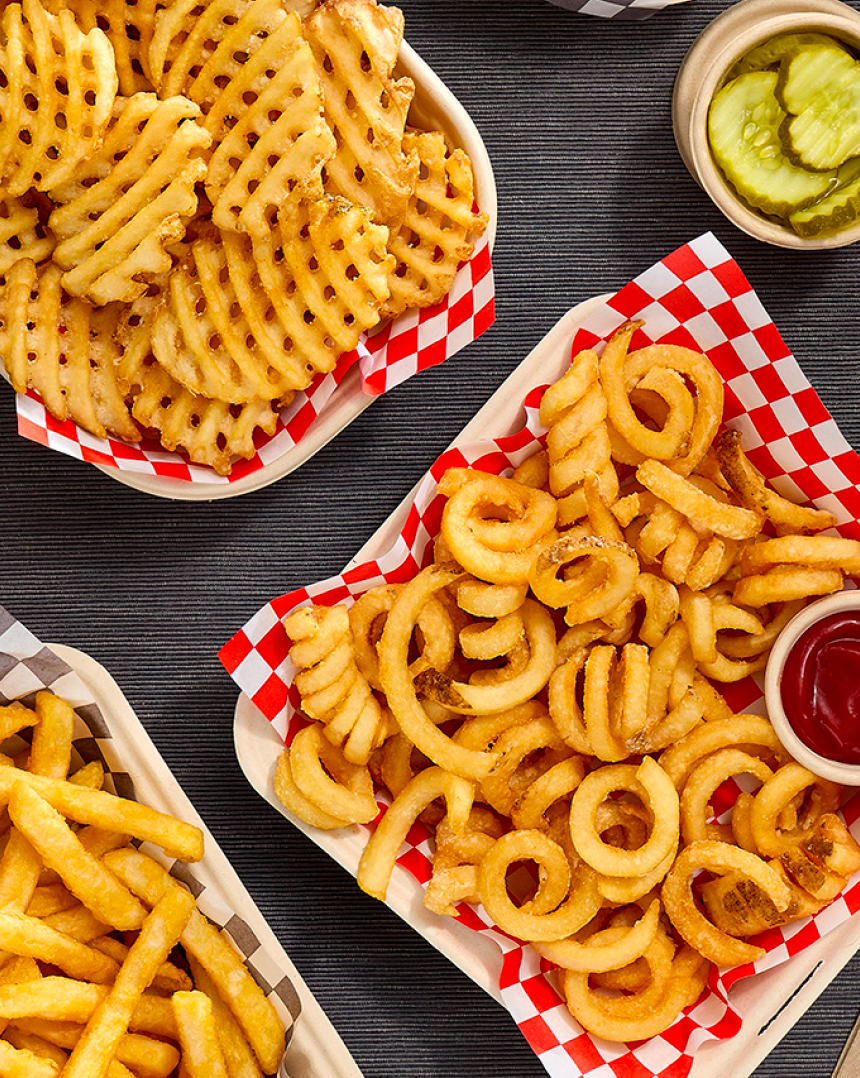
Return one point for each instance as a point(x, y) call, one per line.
point(108, 969)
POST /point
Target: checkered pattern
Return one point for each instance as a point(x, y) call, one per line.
point(696, 297)
point(616, 9)
point(27, 667)
point(406, 345)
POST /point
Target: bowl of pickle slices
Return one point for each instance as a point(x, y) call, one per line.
point(766, 112)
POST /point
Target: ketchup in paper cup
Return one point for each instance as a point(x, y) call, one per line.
point(812, 687)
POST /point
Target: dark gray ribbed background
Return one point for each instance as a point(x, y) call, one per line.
point(575, 112)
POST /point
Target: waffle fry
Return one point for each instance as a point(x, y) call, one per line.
point(61, 87)
point(22, 235)
point(279, 141)
point(131, 200)
point(48, 343)
point(355, 43)
point(215, 244)
point(325, 272)
point(439, 228)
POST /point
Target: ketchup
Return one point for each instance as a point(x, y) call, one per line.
point(821, 687)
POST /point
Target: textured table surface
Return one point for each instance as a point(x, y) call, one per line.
point(575, 112)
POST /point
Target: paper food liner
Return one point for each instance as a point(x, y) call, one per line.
point(617, 9)
point(697, 297)
point(412, 342)
point(26, 667)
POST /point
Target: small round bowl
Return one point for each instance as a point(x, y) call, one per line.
point(836, 771)
point(703, 71)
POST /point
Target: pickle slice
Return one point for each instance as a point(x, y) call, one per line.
point(771, 52)
point(820, 87)
point(743, 131)
point(836, 210)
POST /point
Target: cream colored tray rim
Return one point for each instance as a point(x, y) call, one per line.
point(434, 107)
point(771, 1002)
point(315, 1050)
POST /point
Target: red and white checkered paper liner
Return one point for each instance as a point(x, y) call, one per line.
point(414, 341)
point(696, 297)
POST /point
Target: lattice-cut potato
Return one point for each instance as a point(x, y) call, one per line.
point(440, 227)
point(124, 24)
point(201, 338)
point(324, 268)
point(131, 201)
point(188, 32)
point(275, 137)
point(355, 43)
point(210, 432)
point(63, 349)
point(60, 89)
point(22, 235)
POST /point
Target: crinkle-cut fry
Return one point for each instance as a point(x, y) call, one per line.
point(210, 431)
point(751, 488)
point(61, 999)
point(60, 850)
point(355, 44)
point(110, 1020)
point(113, 235)
point(249, 1004)
point(324, 269)
point(278, 140)
point(22, 235)
point(176, 837)
point(201, 1050)
point(238, 1054)
point(440, 228)
point(69, 92)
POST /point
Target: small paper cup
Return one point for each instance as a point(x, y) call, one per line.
point(702, 73)
point(835, 770)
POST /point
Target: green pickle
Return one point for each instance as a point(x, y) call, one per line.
point(771, 52)
point(836, 210)
point(743, 130)
point(820, 87)
point(785, 131)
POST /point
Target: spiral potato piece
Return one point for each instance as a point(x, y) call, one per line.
point(332, 688)
point(574, 411)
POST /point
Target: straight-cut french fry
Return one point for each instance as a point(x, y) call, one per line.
point(238, 1054)
point(28, 936)
point(20, 1038)
point(195, 1021)
point(59, 848)
point(112, 813)
point(50, 755)
point(22, 1063)
point(254, 1012)
point(161, 931)
point(61, 999)
point(170, 978)
point(146, 1056)
point(79, 923)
